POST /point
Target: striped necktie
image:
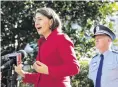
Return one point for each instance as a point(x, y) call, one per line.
point(99, 72)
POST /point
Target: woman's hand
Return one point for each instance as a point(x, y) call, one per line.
point(40, 67)
point(19, 70)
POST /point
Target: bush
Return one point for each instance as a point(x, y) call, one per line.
point(81, 79)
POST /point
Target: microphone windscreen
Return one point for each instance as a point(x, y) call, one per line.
point(23, 53)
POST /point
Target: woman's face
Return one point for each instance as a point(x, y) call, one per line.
point(42, 24)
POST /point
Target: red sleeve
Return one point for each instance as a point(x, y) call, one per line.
point(70, 66)
point(31, 78)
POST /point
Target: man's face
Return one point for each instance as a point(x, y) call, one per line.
point(102, 41)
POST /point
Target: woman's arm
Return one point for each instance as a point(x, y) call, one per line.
point(70, 63)
point(31, 78)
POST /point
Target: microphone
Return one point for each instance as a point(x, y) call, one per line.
point(7, 64)
point(13, 58)
point(8, 56)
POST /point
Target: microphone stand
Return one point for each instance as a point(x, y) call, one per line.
point(11, 78)
point(8, 77)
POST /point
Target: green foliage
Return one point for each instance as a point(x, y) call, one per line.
point(17, 24)
point(81, 79)
point(17, 27)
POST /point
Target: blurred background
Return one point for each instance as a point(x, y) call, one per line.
point(78, 19)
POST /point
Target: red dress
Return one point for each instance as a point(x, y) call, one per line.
point(57, 52)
